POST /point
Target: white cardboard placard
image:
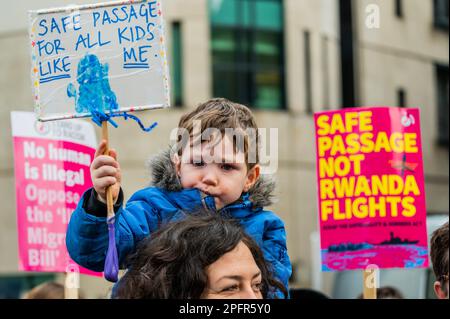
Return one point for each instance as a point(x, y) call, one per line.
point(109, 57)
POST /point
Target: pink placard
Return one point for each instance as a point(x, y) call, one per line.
point(51, 174)
point(371, 189)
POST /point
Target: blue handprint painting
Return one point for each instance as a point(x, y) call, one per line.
point(94, 92)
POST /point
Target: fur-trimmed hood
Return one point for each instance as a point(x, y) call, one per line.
point(164, 176)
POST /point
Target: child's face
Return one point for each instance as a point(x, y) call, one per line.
point(216, 170)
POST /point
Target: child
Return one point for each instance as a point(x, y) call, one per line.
point(209, 175)
point(439, 259)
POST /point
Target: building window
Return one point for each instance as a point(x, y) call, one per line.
point(177, 64)
point(399, 8)
point(14, 286)
point(308, 74)
point(347, 53)
point(401, 98)
point(441, 14)
point(248, 51)
point(442, 100)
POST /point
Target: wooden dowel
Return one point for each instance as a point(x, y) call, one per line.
point(109, 197)
point(370, 283)
point(71, 285)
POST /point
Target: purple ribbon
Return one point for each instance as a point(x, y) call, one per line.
point(111, 271)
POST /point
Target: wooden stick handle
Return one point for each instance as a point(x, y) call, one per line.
point(109, 197)
point(370, 283)
point(71, 284)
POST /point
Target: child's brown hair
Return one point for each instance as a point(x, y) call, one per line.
point(223, 114)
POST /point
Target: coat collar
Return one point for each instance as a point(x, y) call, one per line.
point(164, 176)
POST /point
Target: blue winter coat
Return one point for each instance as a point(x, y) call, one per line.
point(147, 209)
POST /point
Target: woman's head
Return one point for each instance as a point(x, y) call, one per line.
point(439, 259)
point(50, 290)
point(47, 290)
point(201, 256)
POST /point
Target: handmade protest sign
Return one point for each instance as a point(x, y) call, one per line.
point(103, 61)
point(51, 163)
point(105, 58)
point(371, 189)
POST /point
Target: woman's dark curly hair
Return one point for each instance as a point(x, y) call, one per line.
point(172, 262)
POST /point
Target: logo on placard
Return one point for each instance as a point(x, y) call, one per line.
point(408, 120)
point(42, 128)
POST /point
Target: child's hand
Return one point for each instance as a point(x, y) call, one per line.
point(105, 171)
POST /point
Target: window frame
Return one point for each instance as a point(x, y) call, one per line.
point(399, 9)
point(244, 60)
point(177, 63)
point(442, 105)
point(440, 20)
